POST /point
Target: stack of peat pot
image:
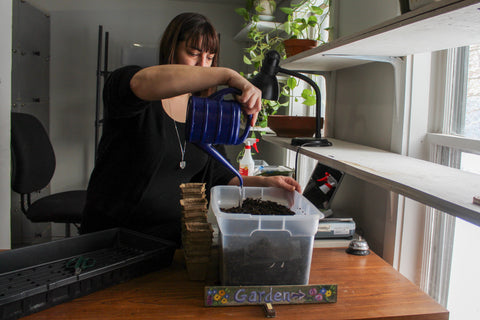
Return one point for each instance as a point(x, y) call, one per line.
point(197, 233)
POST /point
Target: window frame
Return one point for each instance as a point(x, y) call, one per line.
point(445, 145)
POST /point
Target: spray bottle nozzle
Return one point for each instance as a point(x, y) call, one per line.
point(252, 142)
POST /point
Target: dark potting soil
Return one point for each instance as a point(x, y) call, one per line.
point(264, 261)
point(260, 207)
point(265, 258)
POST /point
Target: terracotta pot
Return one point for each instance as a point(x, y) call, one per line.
point(293, 126)
point(294, 46)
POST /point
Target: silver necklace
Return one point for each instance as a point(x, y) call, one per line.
point(182, 163)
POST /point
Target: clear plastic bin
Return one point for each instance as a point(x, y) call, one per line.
point(261, 249)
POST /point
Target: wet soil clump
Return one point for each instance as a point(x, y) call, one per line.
point(260, 207)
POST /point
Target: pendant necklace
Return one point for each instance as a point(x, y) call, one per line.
point(182, 163)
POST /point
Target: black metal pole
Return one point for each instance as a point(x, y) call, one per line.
point(97, 101)
point(105, 58)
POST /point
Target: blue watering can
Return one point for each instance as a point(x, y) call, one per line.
point(214, 120)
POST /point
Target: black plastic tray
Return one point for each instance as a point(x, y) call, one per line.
point(36, 277)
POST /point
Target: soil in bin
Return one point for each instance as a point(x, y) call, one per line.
point(265, 258)
point(260, 207)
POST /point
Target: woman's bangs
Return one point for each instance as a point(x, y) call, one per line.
point(205, 40)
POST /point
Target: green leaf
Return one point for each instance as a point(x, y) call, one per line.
point(301, 21)
point(286, 10)
point(310, 101)
point(259, 9)
point(287, 26)
point(273, 4)
point(306, 93)
point(312, 21)
point(269, 102)
point(242, 12)
point(291, 83)
point(309, 97)
point(317, 10)
point(246, 60)
point(263, 123)
point(257, 58)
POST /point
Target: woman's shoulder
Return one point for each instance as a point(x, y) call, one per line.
point(117, 95)
point(120, 77)
point(123, 72)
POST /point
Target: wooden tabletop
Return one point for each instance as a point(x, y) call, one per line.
point(368, 288)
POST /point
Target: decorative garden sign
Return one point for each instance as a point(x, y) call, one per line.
point(218, 296)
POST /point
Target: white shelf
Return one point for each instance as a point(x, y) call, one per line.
point(264, 26)
point(447, 189)
point(440, 25)
point(260, 129)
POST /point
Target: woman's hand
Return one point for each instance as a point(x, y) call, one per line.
point(287, 183)
point(251, 97)
point(283, 182)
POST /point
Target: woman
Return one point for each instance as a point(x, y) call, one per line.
point(143, 156)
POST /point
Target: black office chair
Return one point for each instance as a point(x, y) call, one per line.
point(33, 165)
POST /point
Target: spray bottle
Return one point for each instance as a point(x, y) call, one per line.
point(247, 165)
point(330, 183)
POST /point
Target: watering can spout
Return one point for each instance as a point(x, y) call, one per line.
point(217, 155)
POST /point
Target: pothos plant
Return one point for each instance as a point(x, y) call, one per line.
point(260, 42)
point(308, 25)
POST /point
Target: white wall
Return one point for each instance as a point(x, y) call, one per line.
point(363, 111)
point(5, 103)
point(74, 35)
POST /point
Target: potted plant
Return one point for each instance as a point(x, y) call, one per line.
point(265, 9)
point(305, 32)
point(261, 41)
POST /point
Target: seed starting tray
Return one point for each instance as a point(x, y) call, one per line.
point(35, 278)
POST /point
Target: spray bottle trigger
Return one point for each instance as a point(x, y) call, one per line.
point(255, 145)
point(324, 178)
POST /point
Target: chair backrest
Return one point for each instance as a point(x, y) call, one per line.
point(33, 158)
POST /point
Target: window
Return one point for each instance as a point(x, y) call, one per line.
point(450, 274)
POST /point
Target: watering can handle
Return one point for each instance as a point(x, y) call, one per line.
point(219, 95)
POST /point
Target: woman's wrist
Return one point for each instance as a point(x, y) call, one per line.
point(250, 181)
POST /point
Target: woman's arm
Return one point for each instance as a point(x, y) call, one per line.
point(170, 80)
point(283, 182)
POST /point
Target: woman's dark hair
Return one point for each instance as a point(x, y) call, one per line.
point(192, 28)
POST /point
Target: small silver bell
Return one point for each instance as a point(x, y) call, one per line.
point(358, 247)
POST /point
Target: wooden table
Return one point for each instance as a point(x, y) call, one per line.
point(368, 288)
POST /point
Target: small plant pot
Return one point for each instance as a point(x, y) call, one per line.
point(292, 126)
point(268, 13)
point(295, 46)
